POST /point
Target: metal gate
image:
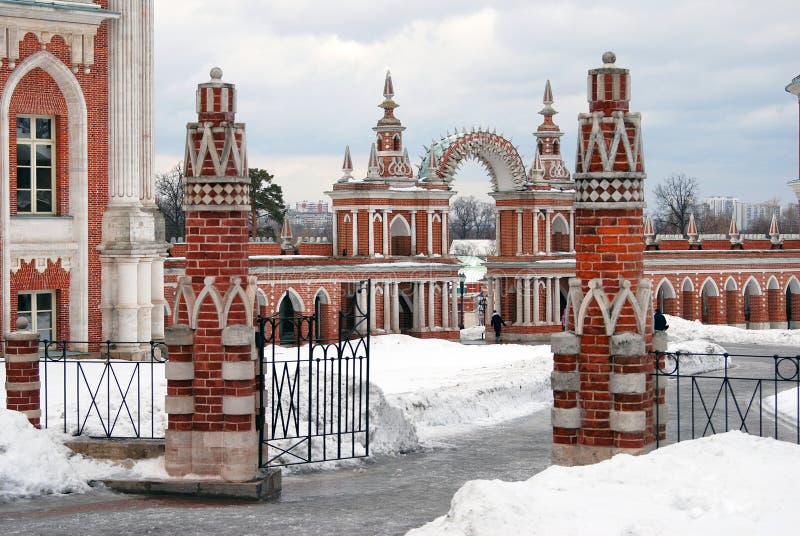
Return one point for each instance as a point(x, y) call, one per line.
point(314, 392)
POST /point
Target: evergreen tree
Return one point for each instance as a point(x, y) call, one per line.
point(266, 202)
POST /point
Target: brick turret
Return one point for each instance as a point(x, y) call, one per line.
point(392, 158)
point(604, 390)
point(211, 372)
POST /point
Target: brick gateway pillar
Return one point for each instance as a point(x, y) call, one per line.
point(602, 384)
point(211, 369)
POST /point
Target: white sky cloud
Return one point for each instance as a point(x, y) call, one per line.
point(707, 76)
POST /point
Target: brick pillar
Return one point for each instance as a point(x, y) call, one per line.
point(734, 309)
point(211, 371)
point(758, 312)
point(670, 306)
point(794, 302)
point(22, 372)
point(565, 381)
point(714, 315)
point(776, 308)
point(689, 305)
point(615, 394)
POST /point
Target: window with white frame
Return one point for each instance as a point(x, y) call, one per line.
point(39, 308)
point(36, 164)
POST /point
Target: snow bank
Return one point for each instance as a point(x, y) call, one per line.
point(719, 485)
point(35, 462)
point(681, 330)
point(692, 360)
point(788, 401)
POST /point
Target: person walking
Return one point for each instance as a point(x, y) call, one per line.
point(660, 321)
point(497, 324)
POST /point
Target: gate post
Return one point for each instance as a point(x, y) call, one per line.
point(22, 372)
point(211, 390)
point(611, 301)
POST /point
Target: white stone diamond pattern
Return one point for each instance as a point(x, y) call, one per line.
point(217, 194)
point(605, 190)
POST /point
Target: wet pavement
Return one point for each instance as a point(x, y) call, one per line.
point(386, 496)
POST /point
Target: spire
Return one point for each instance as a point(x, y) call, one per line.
point(773, 226)
point(648, 226)
point(537, 169)
point(373, 169)
point(406, 159)
point(347, 165)
point(388, 87)
point(733, 230)
point(548, 112)
point(286, 232)
point(691, 229)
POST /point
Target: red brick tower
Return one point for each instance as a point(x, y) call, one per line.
point(392, 158)
point(211, 372)
point(603, 389)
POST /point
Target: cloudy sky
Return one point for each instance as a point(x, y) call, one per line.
point(708, 77)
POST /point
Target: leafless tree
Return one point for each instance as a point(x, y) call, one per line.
point(169, 198)
point(463, 217)
point(675, 201)
point(484, 227)
point(711, 223)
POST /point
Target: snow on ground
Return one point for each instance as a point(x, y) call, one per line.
point(682, 330)
point(719, 485)
point(787, 406)
point(35, 462)
point(693, 359)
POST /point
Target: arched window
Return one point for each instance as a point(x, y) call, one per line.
point(396, 142)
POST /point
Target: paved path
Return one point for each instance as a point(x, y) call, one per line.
point(390, 495)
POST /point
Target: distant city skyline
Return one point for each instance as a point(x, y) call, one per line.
point(708, 80)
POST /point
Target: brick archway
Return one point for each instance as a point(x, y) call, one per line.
point(498, 155)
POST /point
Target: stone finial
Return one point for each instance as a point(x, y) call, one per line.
point(22, 323)
point(388, 86)
point(774, 232)
point(609, 58)
point(373, 169)
point(216, 74)
point(347, 165)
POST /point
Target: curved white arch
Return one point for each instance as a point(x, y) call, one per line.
point(321, 293)
point(709, 287)
point(261, 297)
point(773, 284)
point(395, 227)
point(346, 218)
point(436, 217)
point(294, 297)
point(730, 284)
point(78, 185)
point(751, 287)
point(377, 218)
point(498, 155)
point(793, 286)
point(687, 285)
point(669, 290)
point(559, 224)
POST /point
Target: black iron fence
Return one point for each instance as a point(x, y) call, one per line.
point(712, 393)
point(97, 394)
point(314, 394)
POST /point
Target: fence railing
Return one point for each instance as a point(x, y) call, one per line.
point(98, 395)
point(712, 393)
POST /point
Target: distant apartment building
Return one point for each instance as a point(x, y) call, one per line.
point(745, 213)
point(311, 217)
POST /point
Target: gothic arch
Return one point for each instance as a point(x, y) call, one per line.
point(323, 296)
point(687, 285)
point(78, 185)
point(666, 286)
point(793, 286)
point(498, 155)
point(294, 297)
point(710, 287)
point(730, 284)
point(751, 287)
point(773, 284)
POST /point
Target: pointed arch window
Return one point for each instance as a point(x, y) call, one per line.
point(396, 142)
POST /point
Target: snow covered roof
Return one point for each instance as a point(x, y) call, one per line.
point(472, 247)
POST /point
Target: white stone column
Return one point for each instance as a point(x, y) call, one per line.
point(526, 313)
point(108, 273)
point(335, 228)
point(518, 287)
point(548, 307)
point(431, 305)
point(445, 306)
point(572, 230)
point(387, 307)
point(416, 319)
point(490, 294)
point(548, 233)
point(497, 298)
point(157, 293)
point(373, 318)
point(535, 232)
point(147, 177)
point(371, 232)
point(396, 307)
point(454, 305)
point(355, 232)
point(497, 220)
point(143, 293)
point(519, 231)
point(385, 233)
point(413, 233)
point(445, 224)
point(536, 305)
point(556, 301)
point(127, 306)
point(430, 233)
